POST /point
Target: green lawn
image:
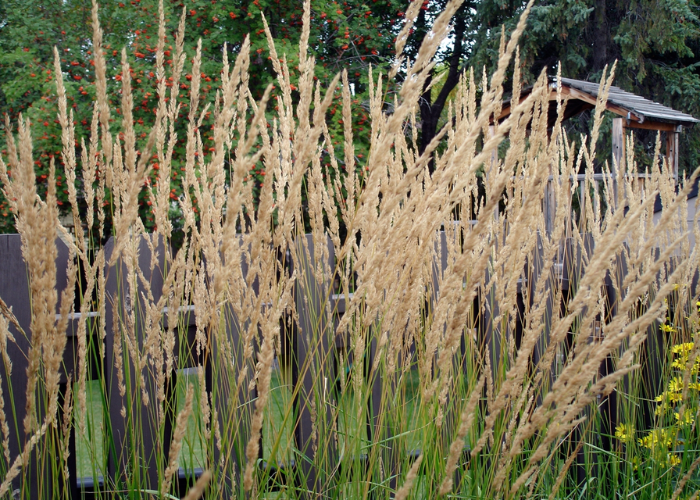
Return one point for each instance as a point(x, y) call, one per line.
point(277, 429)
point(90, 448)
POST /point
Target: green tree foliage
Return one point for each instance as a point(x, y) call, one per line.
point(29, 31)
point(344, 35)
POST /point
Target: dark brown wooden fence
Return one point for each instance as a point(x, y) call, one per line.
point(310, 344)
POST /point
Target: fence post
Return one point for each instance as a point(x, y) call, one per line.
point(440, 264)
point(489, 336)
point(546, 271)
point(133, 454)
point(229, 378)
point(186, 320)
point(576, 254)
point(379, 432)
point(672, 153)
point(652, 367)
point(313, 337)
point(618, 153)
point(654, 355)
point(614, 293)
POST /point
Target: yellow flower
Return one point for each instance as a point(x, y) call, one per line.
point(684, 348)
point(673, 459)
point(682, 351)
point(624, 433)
point(673, 395)
point(679, 363)
point(675, 384)
point(657, 438)
point(686, 419)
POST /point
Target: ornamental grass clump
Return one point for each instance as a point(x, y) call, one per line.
point(475, 320)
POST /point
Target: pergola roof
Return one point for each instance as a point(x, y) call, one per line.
point(638, 111)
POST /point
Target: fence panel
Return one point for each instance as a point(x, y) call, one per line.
point(313, 339)
point(15, 292)
point(132, 426)
point(229, 378)
point(311, 342)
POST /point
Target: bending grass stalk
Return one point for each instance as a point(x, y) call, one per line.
point(23, 459)
point(199, 487)
point(403, 492)
point(466, 420)
point(564, 470)
point(176, 445)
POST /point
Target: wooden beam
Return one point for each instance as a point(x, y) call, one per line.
point(635, 120)
point(652, 125)
point(614, 108)
point(618, 152)
point(672, 153)
point(618, 144)
point(571, 93)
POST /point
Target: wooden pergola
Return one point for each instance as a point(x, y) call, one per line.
point(634, 112)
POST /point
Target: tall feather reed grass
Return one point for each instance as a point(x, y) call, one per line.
point(480, 350)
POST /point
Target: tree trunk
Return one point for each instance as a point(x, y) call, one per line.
point(430, 111)
point(601, 36)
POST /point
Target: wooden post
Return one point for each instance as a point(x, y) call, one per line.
point(440, 264)
point(230, 374)
point(228, 344)
point(134, 449)
point(539, 269)
point(492, 167)
point(618, 153)
point(490, 335)
point(312, 364)
point(576, 254)
point(551, 204)
point(550, 199)
point(672, 153)
point(494, 157)
point(582, 205)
